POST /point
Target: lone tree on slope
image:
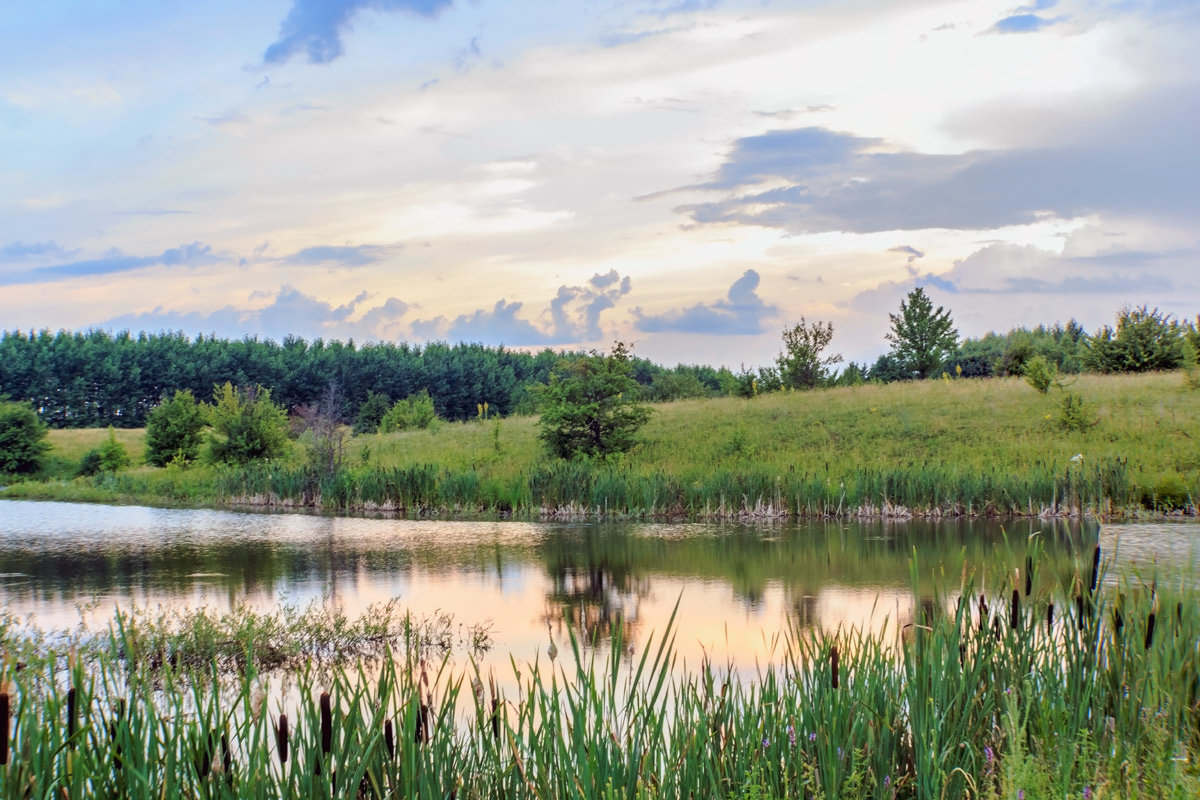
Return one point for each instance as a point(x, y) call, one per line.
point(922, 338)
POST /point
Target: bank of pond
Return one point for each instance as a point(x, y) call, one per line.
point(1036, 677)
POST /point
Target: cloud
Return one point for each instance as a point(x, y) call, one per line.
point(1134, 159)
point(114, 261)
point(315, 27)
point(346, 256)
point(499, 325)
point(1024, 23)
point(742, 311)
point(20, 250)
point(908, 250)
point(291, 312)
point(574, 317)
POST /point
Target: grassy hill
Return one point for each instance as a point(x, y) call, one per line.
point(933, 447)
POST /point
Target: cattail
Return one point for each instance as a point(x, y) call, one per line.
point(226, 756)
point(1015, 614)
point(1050, 618)
point(1095, 568)
point(833, 667)
point(71, 715)
point(326, 723)
point(389, 739)
point(1150, 630)
point(3, 726)
point(495, 719)
point(112, 732)
point(1118, 621)
point(281, 738)
point(983, 612)
point(1028, 575)
point(421, 734)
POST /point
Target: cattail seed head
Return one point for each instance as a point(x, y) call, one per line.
point(281, 738)
point(326, 723)
point(1015, 614)
point(1050, 618)
point(1149, 630)
point(1095, 568)
point(1118, 621)
point(983, 612)
point(71, 700)
point(4, 723)
point(833, 667)
point(1028, 575)
point(389, 739)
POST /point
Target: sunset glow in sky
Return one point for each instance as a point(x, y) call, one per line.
point(688, 175)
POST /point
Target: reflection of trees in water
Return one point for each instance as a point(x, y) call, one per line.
point(594, 587)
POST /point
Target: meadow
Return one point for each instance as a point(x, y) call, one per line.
point(939, 447)
point(1034, 687)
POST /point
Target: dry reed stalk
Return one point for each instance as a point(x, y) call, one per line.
point(281, 738)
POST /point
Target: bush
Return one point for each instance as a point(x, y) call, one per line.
point(110, 456)
point(22, 439)
point(246, 425)
point(174, 430)
point(1075, 415)
point(415, 412)
point(1040, 373)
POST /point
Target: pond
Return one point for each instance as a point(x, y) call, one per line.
point(739, 587)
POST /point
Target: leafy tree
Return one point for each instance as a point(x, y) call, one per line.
point(22, 438)
point(1143, 340)
point(246, 425)
point(801, 364)
point(175, 429)
point(415, 412)
point(1040, 373)
point(590, 406)
point(327, 429)
point(921, 337)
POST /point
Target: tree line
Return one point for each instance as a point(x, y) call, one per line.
point(96, 378)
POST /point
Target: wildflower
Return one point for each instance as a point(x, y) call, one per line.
point(1020, 794)
point(766, 742)
point(812, 737)
point(988, 755)
point(887, 781)
point(791, 732)
point(1087, 793)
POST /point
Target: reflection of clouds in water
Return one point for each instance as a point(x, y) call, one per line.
point(1170, 548)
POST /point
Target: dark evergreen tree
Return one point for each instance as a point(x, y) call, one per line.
point(921, 337)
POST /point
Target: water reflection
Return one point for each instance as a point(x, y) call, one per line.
point(737, 586)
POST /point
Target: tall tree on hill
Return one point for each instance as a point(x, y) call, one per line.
point(921, 337)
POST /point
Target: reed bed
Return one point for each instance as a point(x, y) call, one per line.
point(1026, 688)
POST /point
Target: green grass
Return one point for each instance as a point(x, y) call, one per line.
point(933, 447)
point(966, 702)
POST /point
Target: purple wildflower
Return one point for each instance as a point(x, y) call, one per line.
point(791, 732)
point(766, 743)
point(1087, 793)
point(988, 755)
point(812, 737)
point(1020, 794)
point(887, 781)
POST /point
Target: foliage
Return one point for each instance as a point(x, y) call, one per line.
point(415, 412)
point(371, 412)
point(22, 438)
point(327, 430)
point(246, 425)
point(1075, 414)
point(1144, 340)
point(1191, 364)
point(801, 364)
point(921, 337)
point(175, 430)
point(1040, 374)
point(110, 456)
point(590, 406)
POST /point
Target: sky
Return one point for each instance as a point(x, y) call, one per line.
point(689, 176)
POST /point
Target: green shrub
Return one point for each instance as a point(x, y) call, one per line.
point(1075, 415)
point(414, 412)
point(246, 425)
point(1040, 373)
point(22, 438)
point(174, 430)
